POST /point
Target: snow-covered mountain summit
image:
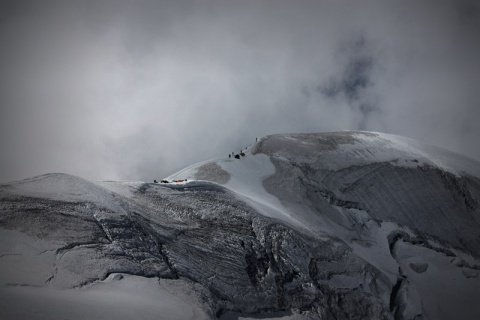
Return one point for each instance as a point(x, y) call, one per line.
point(341, 225)
point(387, 177)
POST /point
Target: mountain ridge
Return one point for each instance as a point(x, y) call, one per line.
point(345, 225)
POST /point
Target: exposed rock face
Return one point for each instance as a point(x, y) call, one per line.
point(419, 267)
point(369, 233)
point(248, 262)
point(212, 172)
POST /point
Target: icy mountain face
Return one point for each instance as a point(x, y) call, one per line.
point(347, 225)
point(381, 176)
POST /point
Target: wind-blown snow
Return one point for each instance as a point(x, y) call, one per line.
point(340, 150)
point(388, 147)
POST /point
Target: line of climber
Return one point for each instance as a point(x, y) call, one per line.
point(171, 181)
point(238, 155)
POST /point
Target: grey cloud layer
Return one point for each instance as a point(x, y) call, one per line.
point(139, 89)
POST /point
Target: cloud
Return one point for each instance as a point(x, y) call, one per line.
point(137, 90)
point(353, 85)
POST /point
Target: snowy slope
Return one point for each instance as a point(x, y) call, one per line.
point(356, 225)
point(244, 177)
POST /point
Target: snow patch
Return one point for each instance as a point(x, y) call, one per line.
point(128, 297)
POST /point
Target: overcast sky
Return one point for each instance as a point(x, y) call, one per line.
point(136, 90)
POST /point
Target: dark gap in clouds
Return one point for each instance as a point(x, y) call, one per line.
point(355, 64)
point(353, 84)
point(331, 89)
point(358, 67)
point(357, 77)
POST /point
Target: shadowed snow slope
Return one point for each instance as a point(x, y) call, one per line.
point(341, 225)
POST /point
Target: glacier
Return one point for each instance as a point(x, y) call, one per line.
point(336, 225)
